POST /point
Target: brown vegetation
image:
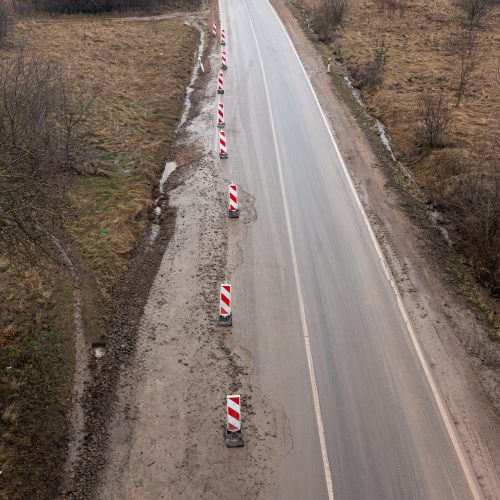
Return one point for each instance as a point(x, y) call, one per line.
point(328, 16)
point(98, 6)
point(439, 53)
point(433, 127)
point(87, 117)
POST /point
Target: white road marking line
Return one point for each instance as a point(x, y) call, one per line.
point(439, 401)
point(312, 375)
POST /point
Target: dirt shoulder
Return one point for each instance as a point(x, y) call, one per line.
point(465, 362)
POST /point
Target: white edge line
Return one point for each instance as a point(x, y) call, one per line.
point(441, 406)
point(312, 375)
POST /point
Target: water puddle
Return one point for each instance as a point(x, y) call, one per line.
point(386, 141)
point(190, 87)
point(384, 138)
point(99, 350)
point(354, 91)
point(435, 216)
point(170, 166)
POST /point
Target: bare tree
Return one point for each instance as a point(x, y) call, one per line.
point(466, 46)
point(37, 126)
point(473, 10)
point(328, 16)
point(467, 41)
point(434, 115)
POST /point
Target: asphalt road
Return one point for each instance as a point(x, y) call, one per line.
point(312, 300)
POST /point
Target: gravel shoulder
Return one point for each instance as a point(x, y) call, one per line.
point(465, 363)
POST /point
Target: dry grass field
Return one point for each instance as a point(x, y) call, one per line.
point(136, 74)
point(422, 58)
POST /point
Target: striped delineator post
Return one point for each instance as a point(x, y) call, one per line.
point(214, 30)
point(222, 144)
point(233, 210)
point(223, 37)
point(224, 59)
point(220, 84)
point(234, 434)
point(225, 315)
point(220, 115)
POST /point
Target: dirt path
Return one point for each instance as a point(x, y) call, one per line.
point(465, 363)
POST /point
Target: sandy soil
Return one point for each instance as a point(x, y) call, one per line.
point(465, 364)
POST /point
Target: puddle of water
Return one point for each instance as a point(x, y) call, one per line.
point(435, 220)
point(170, 166)
point(354, 91)
point(99, 352)
point(155, 229)
point(384, 138)
point(190, 87)
point(387, 144)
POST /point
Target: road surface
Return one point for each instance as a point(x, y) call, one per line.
point(312, 300)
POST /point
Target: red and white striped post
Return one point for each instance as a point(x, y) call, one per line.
point(214, 30)
point(224, 59)
point(220, 115)
point(233, 211)
point(225, 315)
point(234, 434)
point(220, 84)
point(222, 144)
point(223, 37)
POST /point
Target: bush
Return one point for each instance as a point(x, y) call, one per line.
point(38, 123)
point(474, 10)
point(370, 74)
point(434, 115)
point(473, 202)
point(328, 16)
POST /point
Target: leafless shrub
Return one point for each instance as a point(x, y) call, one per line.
point(466, 43)
point(4, 20)
point(370, 74)
point(391, 6)
point(473, 202)
point(473, 10)
point(434, 114)
point(38, 122)
point(402, 7)
point(466, 48)
point(328, 16)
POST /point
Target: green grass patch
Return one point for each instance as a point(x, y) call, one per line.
point(36, 372)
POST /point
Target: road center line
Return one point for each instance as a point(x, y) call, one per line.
point(312, 375)
point(399, 300)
